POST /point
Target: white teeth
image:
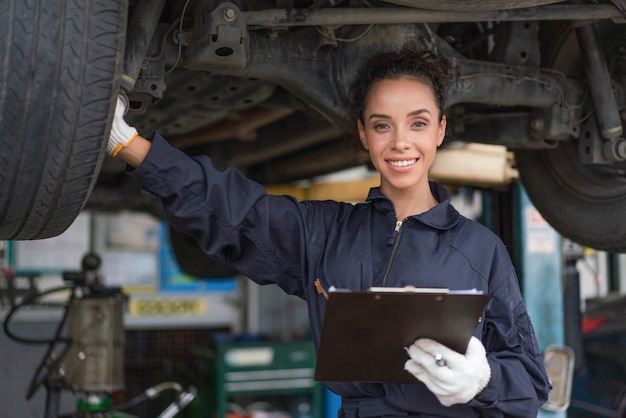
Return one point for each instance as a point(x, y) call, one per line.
point(404, 163)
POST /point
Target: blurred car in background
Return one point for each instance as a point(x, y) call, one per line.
point(599, 387)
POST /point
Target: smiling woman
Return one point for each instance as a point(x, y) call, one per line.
point(398, 113)
point(407, 234)
point(402, 131)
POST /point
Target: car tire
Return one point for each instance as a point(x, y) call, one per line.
point(193, 261)
point(583, 202)
point(60, 65)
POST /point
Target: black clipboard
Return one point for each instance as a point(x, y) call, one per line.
point(365, 333)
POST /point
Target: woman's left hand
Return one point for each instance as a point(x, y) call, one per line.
point(453, 377)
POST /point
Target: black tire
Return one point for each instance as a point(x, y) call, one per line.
point(585, 203)
point(464, 5)
point(60, 63)
point(193, 261)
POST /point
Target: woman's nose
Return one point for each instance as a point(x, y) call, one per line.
point(400, 140)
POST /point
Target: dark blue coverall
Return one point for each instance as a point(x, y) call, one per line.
point(276, 239)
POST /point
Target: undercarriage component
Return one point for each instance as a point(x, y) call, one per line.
point(263, 89)
point(452, 5)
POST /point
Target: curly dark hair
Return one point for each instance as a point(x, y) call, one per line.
point(435, 71)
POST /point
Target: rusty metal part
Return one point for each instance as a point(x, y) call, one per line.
point(243, 126)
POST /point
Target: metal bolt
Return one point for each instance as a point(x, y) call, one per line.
point(620, 149)
point(230, 14)
point(615, 149)
point(536, 124)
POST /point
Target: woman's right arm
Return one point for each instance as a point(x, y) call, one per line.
point(233, 218)
point(135, 152)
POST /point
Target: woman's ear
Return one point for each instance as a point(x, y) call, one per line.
point(441, 133)
point(362, 134)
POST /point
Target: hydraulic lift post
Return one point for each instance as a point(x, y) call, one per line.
point(538, 259)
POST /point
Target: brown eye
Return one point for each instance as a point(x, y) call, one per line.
point(380, 126)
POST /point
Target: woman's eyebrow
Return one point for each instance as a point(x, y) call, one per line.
point(378, 115)
point(413, 113)
point(418, 112)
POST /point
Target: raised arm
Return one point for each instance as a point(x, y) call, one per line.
point(233, 218)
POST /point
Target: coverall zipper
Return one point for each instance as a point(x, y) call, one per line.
point(396, 241)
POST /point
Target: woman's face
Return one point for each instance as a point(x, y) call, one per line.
point(401, 131)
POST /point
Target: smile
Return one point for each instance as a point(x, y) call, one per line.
point(403, 163)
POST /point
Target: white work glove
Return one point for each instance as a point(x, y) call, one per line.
point(454, 378)
point(121, 133)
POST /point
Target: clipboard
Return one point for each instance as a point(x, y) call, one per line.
point(365, 333)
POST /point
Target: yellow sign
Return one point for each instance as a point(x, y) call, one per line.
point(167, 307)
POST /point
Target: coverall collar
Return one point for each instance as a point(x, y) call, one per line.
point(443, 216)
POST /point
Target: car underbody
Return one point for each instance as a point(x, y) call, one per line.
point(261, 86)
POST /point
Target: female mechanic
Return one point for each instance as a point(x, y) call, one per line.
point(397, 115)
